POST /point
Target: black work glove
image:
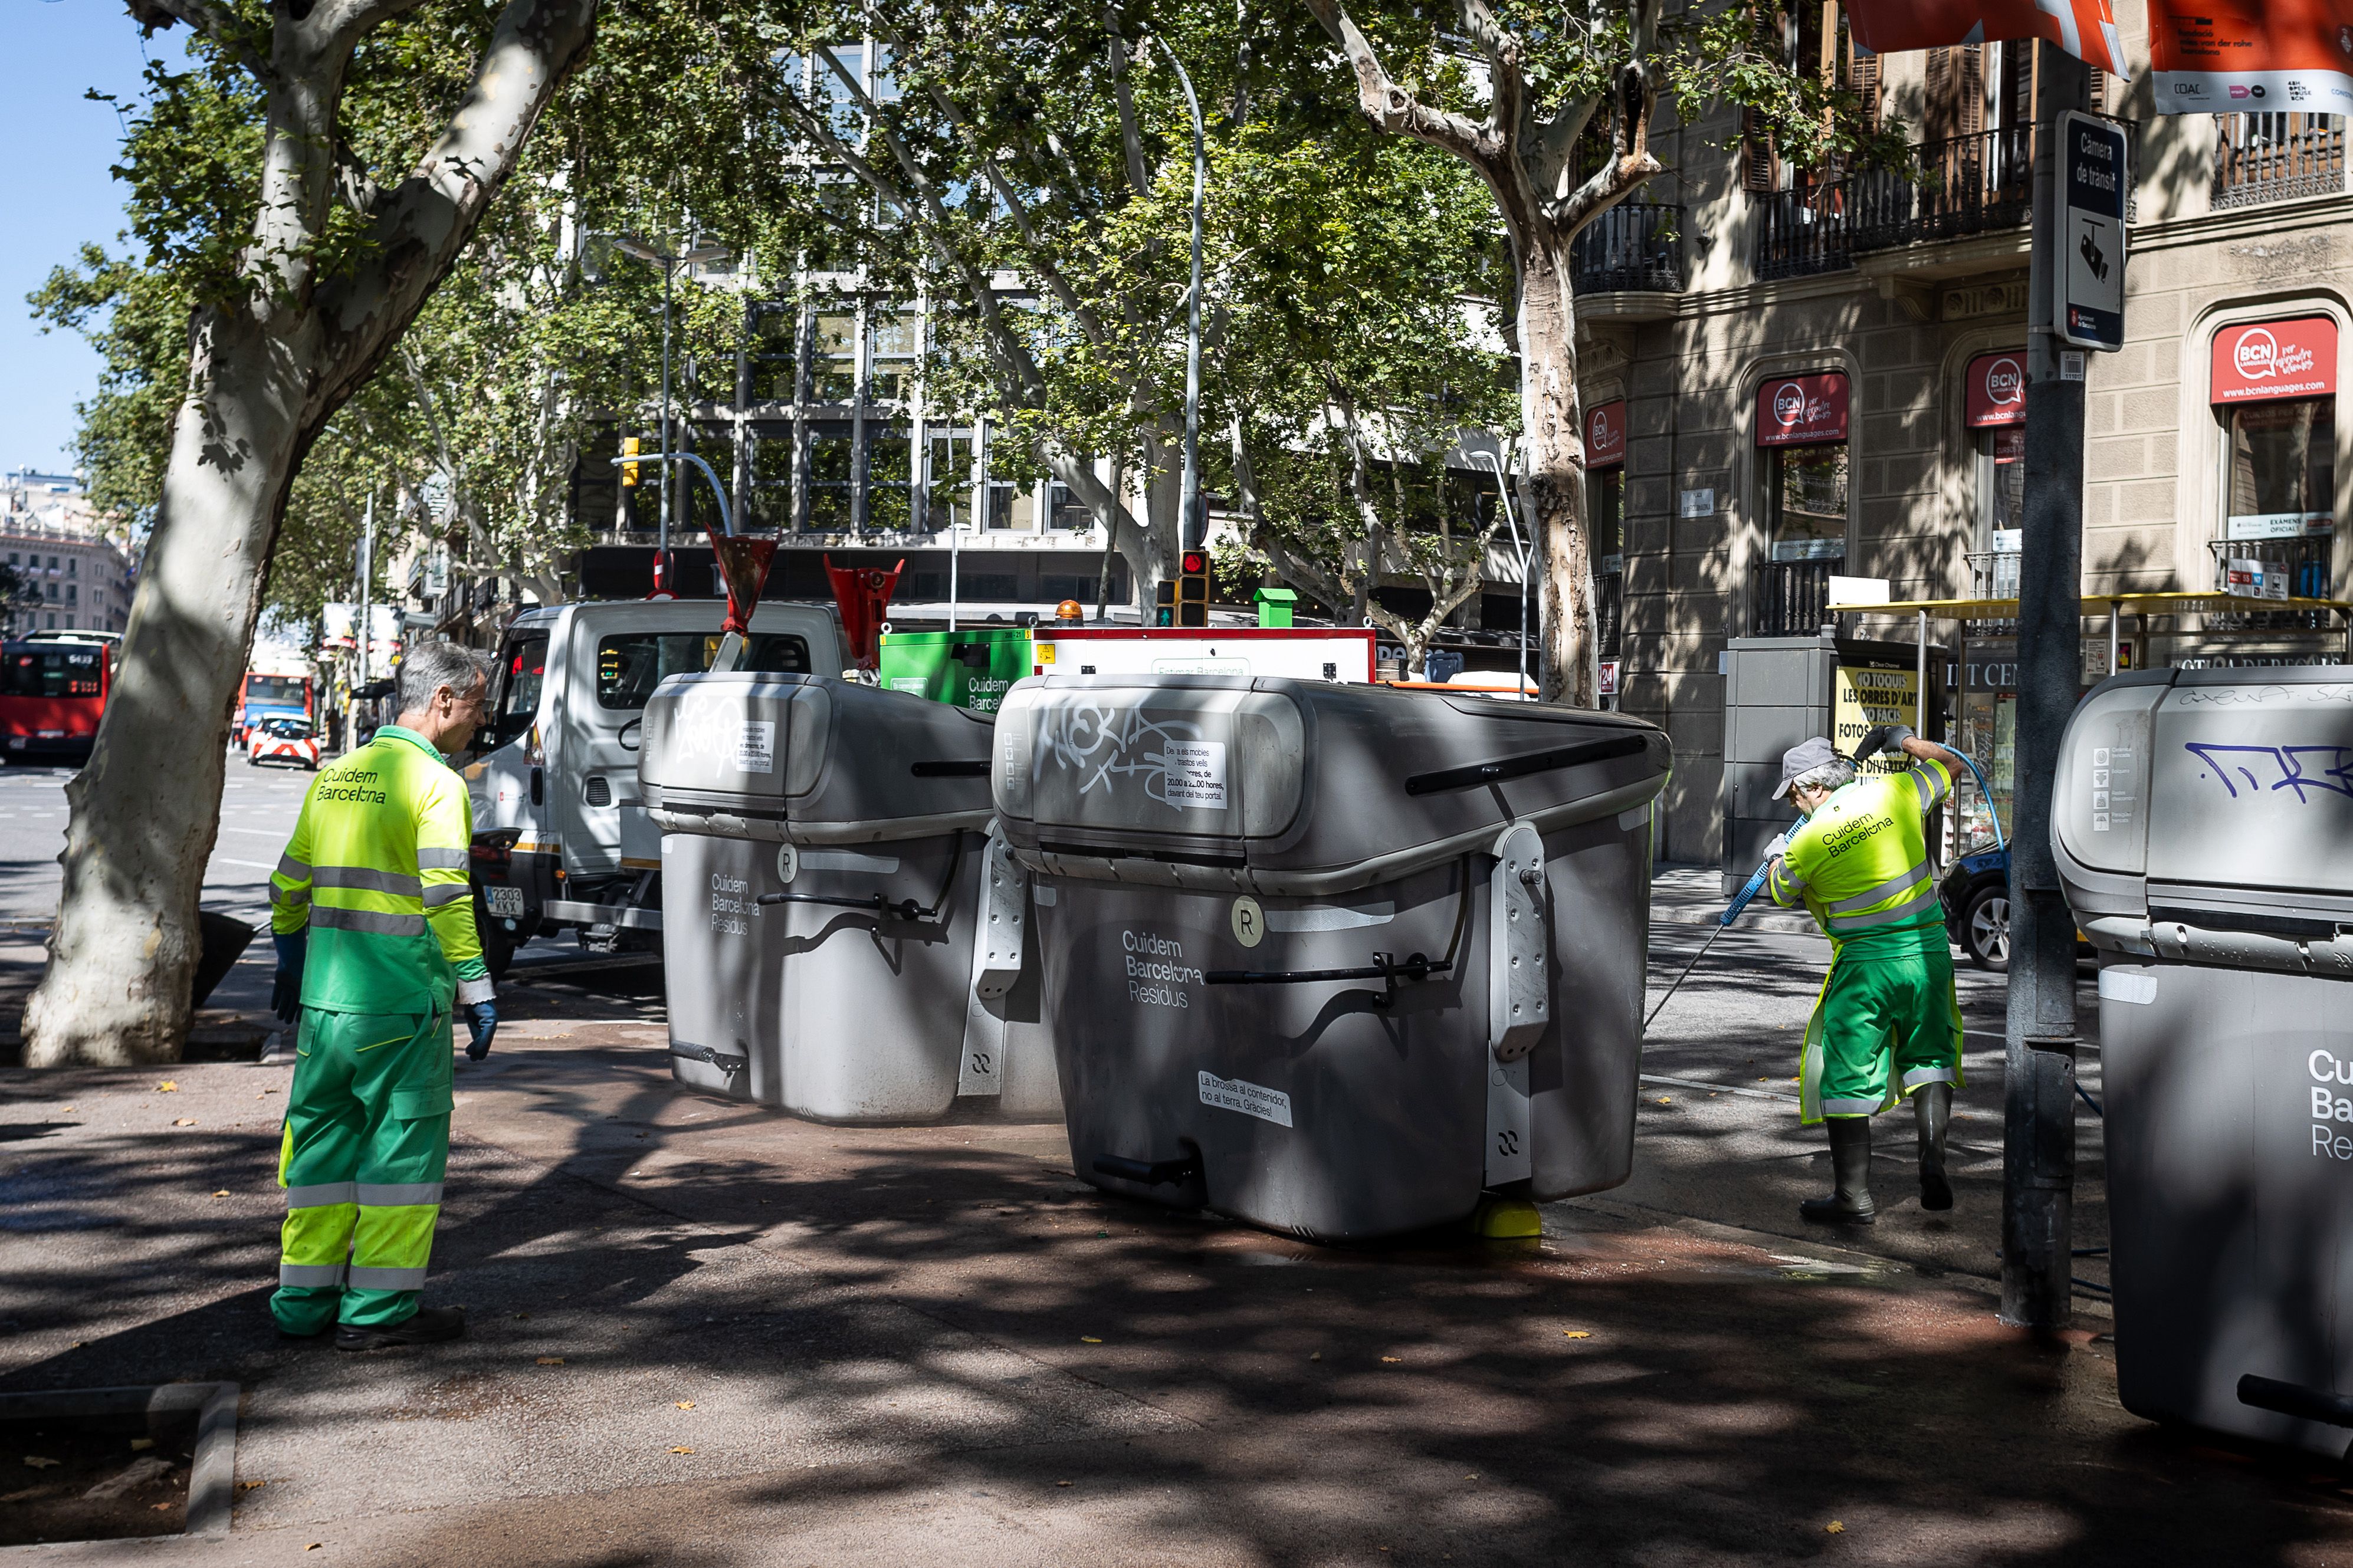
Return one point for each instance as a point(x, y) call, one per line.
point(1882, 738)
point(482, 1023)
point(286, 990)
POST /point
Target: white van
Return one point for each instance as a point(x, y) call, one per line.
point(559, 838)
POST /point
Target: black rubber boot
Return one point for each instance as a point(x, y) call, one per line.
point(1932, 1111)
point(1851, 1162)
point(430, 1326)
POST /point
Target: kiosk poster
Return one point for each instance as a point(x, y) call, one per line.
point(1862, 698)
point(2226, 57)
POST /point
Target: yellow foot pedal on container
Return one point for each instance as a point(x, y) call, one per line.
point(1507, 1219)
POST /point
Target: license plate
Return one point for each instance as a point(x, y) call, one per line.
point(504, 902)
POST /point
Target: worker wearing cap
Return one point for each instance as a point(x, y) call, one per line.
point(373, 917)
point(1888, 1022)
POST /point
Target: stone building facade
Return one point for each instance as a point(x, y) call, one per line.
point(1812, 377)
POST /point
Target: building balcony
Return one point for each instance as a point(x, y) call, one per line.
point(1790, 598)
point(2277, 157)
point(1633, 248)
point(2304, 565)
point(1953, 188)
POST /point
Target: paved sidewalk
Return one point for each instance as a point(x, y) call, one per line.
point(1695, 895)
point(706, 1334)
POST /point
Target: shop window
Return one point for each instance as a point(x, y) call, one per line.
point(2283, 470)
point(833, 364)
point(1807, 501)
point(1994, 401)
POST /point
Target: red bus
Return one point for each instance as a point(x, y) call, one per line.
point(51, 694)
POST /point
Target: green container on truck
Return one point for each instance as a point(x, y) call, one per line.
point(971, 670)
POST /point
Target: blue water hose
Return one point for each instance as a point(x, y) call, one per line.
point(1979, 773)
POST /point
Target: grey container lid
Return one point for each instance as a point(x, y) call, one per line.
point(1294, 786)
point(810, 759)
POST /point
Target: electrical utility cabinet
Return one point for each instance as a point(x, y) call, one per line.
point(844, 940)
point(2203, 824)
point(1334, 958)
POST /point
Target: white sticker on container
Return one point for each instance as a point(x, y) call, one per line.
point(755, 746)
point(1249, 1099)
point(1331, 918)
point(2128, 985)
point(847, 861)
point(1196, 773)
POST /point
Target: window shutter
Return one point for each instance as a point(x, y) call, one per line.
point(1969, 90)
point(1936, 108)
point(1863, 80)
point(1760, 165)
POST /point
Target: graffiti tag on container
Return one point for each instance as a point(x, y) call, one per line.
point(1107, 745)
point(2259, 770)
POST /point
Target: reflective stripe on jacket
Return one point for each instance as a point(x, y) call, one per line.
point(377, 872)
point(1861, 863)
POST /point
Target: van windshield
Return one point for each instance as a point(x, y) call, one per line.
point(630, 665)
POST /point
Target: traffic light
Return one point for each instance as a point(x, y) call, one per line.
point(630, 447)
point(1193, 588)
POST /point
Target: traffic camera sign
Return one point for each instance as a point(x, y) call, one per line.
point(2094, 180)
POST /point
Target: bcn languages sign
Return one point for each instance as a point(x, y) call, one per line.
point(1801, 410)
point(1605, 436)
point(1995, 390)
point(2267, 360)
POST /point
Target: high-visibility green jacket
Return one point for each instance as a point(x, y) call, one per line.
point(1861, 863)
point(376, 871)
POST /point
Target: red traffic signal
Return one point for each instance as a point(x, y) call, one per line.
point(1196, 564)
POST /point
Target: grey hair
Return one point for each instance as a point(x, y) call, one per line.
point(1829, 776)
point(429, 666)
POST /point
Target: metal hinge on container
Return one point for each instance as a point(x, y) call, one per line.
point(1518, 989)
point(998, 938)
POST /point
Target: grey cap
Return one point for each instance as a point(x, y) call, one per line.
point(1802, 759)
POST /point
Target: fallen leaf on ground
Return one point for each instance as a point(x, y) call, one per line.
point(41, 1461)
point(167, 1087)
point(1665, 1101)
point(550, 1360)
point(1391, 1360)
point(1577, 1333)
point(1316, 1355)
point(185, 1122)
point(1834, 1528)
point(141, 1445)
point(1061, 1483)
point(248, 1485)
point(161, 1507)
point(683, 1404)
point(682, 1450)
point(315, 1546)
point(222, 1194)
point(1089, 1339)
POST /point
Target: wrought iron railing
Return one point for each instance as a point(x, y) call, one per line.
point(1633, 247)
point(1803, 232)
point(1958, 186)
point(2308, 564)
point(1790, 598)
point(2278, 157)
point(1993, 573)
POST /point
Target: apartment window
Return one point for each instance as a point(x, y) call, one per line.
point(73, 592)
point(53, 563)
point(15, 558)
point(833, 360)
point(896, 340)
point(73, 566)
point(888, 453)
point(829, 481)
point(53, 590)
point(951, 478)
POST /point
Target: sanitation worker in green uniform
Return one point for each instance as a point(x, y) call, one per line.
point(373, 917)
point(1887, 1023)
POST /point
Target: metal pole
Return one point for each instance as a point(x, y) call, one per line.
point(2038, 1077)
point(1504, 493)
point(661, 546)
point(368, 571)
point(1193, 522)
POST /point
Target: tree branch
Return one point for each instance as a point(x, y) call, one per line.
point(1130, 137)
point(1398, 111)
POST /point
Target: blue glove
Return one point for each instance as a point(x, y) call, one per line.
point(482, 1023)
point(285, 991)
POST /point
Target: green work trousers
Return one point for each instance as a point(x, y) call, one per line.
point(366, 1142)
point(1888, 1021)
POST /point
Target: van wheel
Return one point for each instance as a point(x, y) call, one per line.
point(1984, 928)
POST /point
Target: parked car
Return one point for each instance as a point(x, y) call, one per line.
point(280, 739)
point(1975, 896)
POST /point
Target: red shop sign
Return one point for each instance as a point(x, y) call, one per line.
point(1997, 390)
point(2264, 360)
point(1797, 410)
point(1605, 436)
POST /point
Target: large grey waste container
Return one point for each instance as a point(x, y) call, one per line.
point(1334, 958)
point(2204, 822)
point(841, 937)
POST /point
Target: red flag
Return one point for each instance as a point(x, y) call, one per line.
point(863, 596)
point(2223, 57)
point(2084, 29)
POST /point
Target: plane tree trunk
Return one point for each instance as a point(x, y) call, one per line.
point(269, 366)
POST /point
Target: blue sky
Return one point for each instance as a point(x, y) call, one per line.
point(58, 195)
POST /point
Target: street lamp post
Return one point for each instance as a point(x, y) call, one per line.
point(670, 264)
point(1194, 525)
